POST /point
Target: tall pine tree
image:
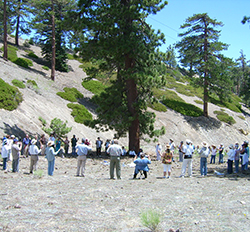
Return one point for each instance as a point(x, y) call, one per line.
point(128, 46)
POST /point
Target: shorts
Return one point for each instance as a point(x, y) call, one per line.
point(166, 167)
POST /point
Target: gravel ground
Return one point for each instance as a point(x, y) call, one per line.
point(64, 202)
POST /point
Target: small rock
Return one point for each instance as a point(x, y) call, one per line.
point(17, 206)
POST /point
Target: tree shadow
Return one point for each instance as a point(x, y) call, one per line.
point(14, 130)
point(90, 106)
point(207, 123)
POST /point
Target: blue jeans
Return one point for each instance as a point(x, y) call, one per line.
point(237, 166)
point(4, 163)
point(220, 158)
point(203, 166)
point(74, 150)
point(15, 165)
point(51, 165)
point(212, 159)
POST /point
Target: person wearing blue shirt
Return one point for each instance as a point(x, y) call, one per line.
point(141, 165)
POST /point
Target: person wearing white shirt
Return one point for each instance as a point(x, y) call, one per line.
point(187, 161)
point(4, 153)
point(33, 151)
point(82, 152)
point(158, 150)
point(231, 154)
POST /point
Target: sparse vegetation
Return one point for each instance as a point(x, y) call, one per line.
point(158, 107)
point(70, 94)
point(43, 121)
point(242, 117)
point(46, 68)
point(80, 113)
point(32, 82)
point(38, 173)
point(224, 117)
point(18, 84)
point(95, 87)
point(32, 55)
point(151, 219)
point(10, 96)
point(199, 102)
point(23, 62)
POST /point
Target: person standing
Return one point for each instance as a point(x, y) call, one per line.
point(82, 152)
point(4, 153)
point(16, 152)
point(213, 154)
point(158, 149)
point(98, 146)
point(221, 149)
point(26, 143)
point(50, 156)
point(204, 153)
point(66, 145)
point(172, 147)
point(180, 147)
point(115, 152)
point(167, 161)
point(33, 151)
point(43, 143)
point(73, 144)
point(237, 157)
point(187, 161)
point(231, 155)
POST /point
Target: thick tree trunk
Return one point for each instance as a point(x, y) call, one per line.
point(132, 95)
point(205, 101)
point(5, 51)
point(53, 61)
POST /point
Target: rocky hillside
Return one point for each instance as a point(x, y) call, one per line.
point(43, 102)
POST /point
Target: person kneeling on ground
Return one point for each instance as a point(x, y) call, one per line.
point(141, 165)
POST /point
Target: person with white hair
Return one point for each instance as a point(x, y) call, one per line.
point(115, 152)
point(33, 151)
point(231, 155)
point(187, 161)
point(204, 153)
point(82, 152)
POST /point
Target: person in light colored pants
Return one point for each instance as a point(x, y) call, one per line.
point(81, 161)
point(186, 162)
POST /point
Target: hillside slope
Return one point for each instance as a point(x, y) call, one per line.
point(46, 104)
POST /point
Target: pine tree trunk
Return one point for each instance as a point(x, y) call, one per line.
point(18, 23)
point(132, 95)
point(5, 51)
point(53, 61)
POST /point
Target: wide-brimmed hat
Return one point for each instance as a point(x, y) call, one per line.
point(231, 146)
point(12, 136)
point(171, 140)
point(50, 143)
point(33, 141)
point(167, 146)
point(204, 144)
point(188, 141)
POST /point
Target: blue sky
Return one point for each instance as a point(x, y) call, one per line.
point(229, 12)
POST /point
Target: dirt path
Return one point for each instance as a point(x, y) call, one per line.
point(95, 203)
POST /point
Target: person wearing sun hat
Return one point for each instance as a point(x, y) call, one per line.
point(33, 151)
point(204, 153)
point(50, 156)
point(188, 153)
point(167, 161)
point(4, 153)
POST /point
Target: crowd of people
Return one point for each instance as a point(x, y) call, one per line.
point(236, 155)
point(13, 149)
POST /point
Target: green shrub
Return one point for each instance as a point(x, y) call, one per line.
point(166, 94)
point(18, 84)
point(224, 117)
point(43, 121)
point(242, 117)
point(12, 55)
point(80, 113)
point(45, 68)
point(32, 55)
point(32, 82)
point(70, 56)
point(70, 94)
point(96, 87)
point(10, 96)
point(158, 107)
point(23, 62)
point(183, 107)
point(151, 219)
point(199, 102)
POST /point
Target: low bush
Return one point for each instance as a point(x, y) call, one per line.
point(43, 121)
point(32, 82)
point(224, 117)
point(18, 84)
point(10, 96)
point(96, 87)
point(32, 55)
point(80, 113)
point(70, 94)
point(23, 62)
point(46, 68)
point(183, 107)
point(198, 102)
point(151, 219)
point(158, 107)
